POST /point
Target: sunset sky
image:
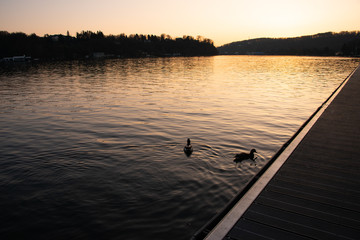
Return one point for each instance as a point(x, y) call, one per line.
point(223, 21)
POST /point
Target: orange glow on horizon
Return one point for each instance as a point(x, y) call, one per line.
point(222, 21)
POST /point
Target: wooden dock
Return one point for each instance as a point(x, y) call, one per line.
point(311, 188)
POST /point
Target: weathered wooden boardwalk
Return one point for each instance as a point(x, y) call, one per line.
point(312, 189)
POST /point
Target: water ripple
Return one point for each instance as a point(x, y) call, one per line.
point(93, 150)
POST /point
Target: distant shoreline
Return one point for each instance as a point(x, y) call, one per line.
point(30, 60)
point(19, 47)
point(321, 44)
point(95, 45)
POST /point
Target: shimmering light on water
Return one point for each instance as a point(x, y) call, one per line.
point(94, 150)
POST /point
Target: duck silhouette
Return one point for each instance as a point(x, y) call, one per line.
point(188, 148)
point(244, 156)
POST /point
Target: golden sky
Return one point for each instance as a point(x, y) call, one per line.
point(223, 21)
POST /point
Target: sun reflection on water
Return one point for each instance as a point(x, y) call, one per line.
point(101, 143)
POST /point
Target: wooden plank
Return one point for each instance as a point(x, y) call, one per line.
point(245, 234)
point(315, 197)
point(310, 209)
point(334, 193)
point(247, 229)
point(298, 223)
point(338, 165)
point(320, 176)
point(315, 206)
point(324, 185)
point(340, 171)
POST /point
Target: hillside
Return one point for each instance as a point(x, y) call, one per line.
point(322, 44)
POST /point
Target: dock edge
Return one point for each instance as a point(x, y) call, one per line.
point(218, 226)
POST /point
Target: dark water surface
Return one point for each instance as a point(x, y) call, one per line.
point(94, 150)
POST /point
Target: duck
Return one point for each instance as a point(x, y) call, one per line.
point(244, 156)
point(188, 148)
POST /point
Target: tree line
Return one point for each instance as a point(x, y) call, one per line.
point(88, 44)
point(322, 44)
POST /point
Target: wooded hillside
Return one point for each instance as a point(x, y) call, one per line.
point(322, 44)
point(89, 44)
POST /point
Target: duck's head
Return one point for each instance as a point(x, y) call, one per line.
point(253, 150)
point(188, 141)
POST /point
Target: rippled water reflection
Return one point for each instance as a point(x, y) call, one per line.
point(94, 150)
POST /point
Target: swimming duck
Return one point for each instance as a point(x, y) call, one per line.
point(244, 156)
point(188, 148)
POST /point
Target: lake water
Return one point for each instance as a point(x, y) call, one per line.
point(94, 149)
